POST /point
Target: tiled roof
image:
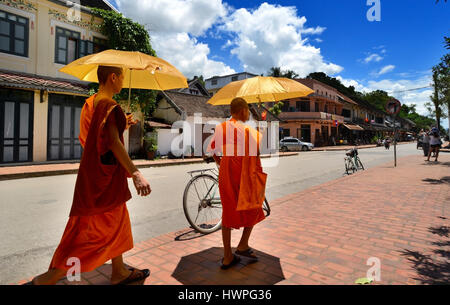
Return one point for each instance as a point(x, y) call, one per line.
point(192, 104)
point(36, 82)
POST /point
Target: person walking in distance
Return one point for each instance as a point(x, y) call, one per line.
point(435, 144)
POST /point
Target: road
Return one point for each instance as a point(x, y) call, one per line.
point(35, 210)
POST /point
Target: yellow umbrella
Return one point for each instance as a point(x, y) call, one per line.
point(142, 71)
point(260, 89)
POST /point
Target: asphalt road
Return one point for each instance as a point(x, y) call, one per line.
point(35, 210)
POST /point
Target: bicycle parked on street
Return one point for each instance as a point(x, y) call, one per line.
point(353, 162)
point(201, 200)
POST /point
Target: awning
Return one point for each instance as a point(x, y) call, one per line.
point(354, 127)
point(35, 82)
point(157, 125)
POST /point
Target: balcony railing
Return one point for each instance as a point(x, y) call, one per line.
point(311, 115)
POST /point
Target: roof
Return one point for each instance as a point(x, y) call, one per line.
point(192, 104)
point(195, 83)
point(231, 75)
point(157, 124)
point(85, 4)
point(36, 82)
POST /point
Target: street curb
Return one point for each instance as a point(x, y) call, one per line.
point(359, 147)
point(16, 176)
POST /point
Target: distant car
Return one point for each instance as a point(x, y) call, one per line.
point(293, 144)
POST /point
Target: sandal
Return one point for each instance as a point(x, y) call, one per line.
point(235, 261)
point(247, 253)
point(135, 276)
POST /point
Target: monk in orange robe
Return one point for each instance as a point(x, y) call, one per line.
point(235, 148)
point(99, 227)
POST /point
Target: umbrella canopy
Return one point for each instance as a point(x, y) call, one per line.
point(142, 71)
point(260, 89)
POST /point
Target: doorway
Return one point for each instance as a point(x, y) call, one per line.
point(16, 126)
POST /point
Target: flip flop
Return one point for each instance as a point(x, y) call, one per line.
point(235, 261)
point(247, 253)
point(143, 274)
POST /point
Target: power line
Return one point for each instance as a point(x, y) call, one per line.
point(414, 89)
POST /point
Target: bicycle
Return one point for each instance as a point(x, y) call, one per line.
point(353, 162)
point(201, 200)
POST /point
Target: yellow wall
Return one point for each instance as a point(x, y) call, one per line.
point(42, 38)
point(40, 128)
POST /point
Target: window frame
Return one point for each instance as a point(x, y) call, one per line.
point(57, 47)
point(12, 32)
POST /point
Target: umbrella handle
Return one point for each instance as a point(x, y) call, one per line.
point(129, 91)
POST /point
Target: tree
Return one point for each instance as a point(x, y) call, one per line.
point(441, 79)
point(277, 72)
point(126, 35)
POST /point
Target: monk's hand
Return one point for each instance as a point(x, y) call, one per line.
point(141, 184)
point(130, 121)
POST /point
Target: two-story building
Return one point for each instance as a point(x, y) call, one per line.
point(39, 106)
point(314, 118)
point(216, 83)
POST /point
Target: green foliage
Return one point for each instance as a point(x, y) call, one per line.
point(151, 144)
point(126, 35)
point(277, 72)
point(277, 108)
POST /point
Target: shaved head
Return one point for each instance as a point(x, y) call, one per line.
point(237, 105)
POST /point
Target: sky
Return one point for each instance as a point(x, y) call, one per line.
point(394, 53)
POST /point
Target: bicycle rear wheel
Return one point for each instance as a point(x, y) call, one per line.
point(359, 164)
point(202, 205)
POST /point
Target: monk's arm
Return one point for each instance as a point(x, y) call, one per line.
point(217, 159)
point(116, 146)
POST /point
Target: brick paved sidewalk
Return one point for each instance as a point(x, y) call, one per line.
point(324, 235)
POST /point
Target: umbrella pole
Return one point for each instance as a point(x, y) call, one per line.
point(129, 92)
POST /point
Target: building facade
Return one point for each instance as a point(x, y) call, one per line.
point(40, 107)
point(314, 118)
point(216, 83)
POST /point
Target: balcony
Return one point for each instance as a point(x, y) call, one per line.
point(311, 116)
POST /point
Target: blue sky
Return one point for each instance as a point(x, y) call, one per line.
point(215, 37)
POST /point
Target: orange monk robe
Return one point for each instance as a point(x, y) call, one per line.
point(241, 179)
point(99, 224)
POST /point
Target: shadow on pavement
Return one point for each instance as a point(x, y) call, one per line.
point(192, 234)
point(203, 268)
point(432, 269)
point(437, 181)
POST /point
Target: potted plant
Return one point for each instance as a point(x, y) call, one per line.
point(151, 148)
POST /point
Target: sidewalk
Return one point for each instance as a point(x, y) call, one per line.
point(323, 235)
point(348, 147)
point(42, 170)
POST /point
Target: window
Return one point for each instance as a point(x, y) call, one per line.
point(316, 107)
point(234, 78)
point(303, 106)
point(99, 45)
point(13, 34)
point(70, 47)
point(346, 113)
point(214, 82)
point(67, 46)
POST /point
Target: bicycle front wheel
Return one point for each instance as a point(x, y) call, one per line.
point(360, 165)
point(202, 205)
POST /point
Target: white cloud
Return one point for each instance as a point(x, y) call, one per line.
point(385, 70)
point(175, 16)
point(188, 55)
point(271, 36)
point(173, 26)
point(373, 57)
point(399, 89)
